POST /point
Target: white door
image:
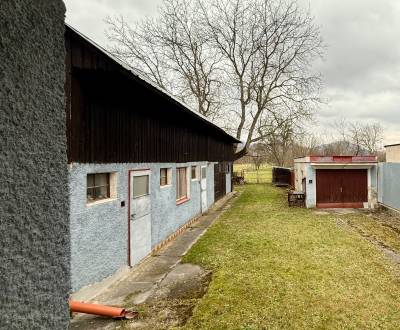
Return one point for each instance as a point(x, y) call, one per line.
point(203, 188)
point(140, 215)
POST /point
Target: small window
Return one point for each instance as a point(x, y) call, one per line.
point(140, 186)
point(98, 187)
point(204, 172)
point(181, 183)
point(194, 172)
point(165, 176)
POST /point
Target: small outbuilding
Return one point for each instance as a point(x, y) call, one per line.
point(337, 181)
point(142, 165)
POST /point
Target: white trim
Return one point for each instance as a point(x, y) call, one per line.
point(140, 172)
point(169, 177)
point(136, 173)
point(101, 201)
point(197, 172)
point(369, 187)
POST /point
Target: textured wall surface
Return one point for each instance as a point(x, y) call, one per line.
point(393, 154)
point(228, 183)
point(34, 225)
point(99, 232)
point(389, 184)
point(311, 194)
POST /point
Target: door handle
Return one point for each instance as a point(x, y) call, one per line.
point(341, 189)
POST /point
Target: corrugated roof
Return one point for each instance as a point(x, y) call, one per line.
point(150, 83)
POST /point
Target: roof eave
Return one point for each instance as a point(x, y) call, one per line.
point(133, 74)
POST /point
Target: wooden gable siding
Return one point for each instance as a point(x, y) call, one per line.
point(113, 118)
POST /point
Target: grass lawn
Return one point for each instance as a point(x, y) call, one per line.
point(276, 267)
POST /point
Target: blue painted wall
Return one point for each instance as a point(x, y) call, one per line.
point(99, 232)
point(389, 184)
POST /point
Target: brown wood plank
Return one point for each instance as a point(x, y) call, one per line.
point(113, 118)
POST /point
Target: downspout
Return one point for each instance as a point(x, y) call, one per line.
point(101, 310)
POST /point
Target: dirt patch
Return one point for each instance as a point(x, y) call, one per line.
point(172, 302)
point(380, 227)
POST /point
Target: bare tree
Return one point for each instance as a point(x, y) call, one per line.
point(268, 47)
point(248, 58)
point(173, 52)
point(281, 131)
point(356, 138)
point(258, 156)
point(372, 137)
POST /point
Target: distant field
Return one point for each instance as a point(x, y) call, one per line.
point(264, 174)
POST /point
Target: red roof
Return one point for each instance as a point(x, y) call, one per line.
point(343, 159)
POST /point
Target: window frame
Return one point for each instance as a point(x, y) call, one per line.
point(203, 170)
point(98, 186)
point(196, 169)
point(133, 185)
point(182, 198)
point(168, 177)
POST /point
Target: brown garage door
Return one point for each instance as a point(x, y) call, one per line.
point(342, 188)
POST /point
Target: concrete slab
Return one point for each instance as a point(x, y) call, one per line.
point(344, 211)
point(182, 243)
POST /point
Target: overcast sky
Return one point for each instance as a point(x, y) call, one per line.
point(361, 68)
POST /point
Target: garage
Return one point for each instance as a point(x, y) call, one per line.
point(337, 181)
point(341, 188)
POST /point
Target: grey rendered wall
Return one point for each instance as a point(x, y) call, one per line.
point(210, 184)
point(373, 189)
point(228, 184)
point(389, 184)
point(99, 232)
point(311, 194)
point(34, 226)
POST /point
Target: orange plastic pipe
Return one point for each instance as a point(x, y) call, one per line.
point(79, 307)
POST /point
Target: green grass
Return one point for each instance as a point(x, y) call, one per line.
point(263, 175)
point(276, 267)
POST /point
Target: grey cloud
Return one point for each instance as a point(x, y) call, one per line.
point(362, 62)
point(88, 15)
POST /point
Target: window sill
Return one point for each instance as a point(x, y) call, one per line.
point(182, 200)
point(166, 186)
point(195, 179)
point(102, 201)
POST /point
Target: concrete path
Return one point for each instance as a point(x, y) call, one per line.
point(156, 275)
